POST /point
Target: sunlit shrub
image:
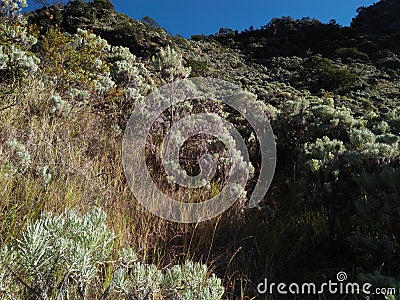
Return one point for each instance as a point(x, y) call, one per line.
point(360, 137)
point(170, 64)
point(190, 281)
point(76, 61)
point(16, 59)
point(62, 256)
point(59, 106)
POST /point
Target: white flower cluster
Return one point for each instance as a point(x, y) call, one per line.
point(82, 38)
point(20, 158)
point(43, 173)
point(14, 54)
point(75, 93)
point(59, 106)
point(322, 152)
point(15, 41)
point(13, 58)
point(11, 8)
point(170, 64)
point(129, 73)
point(17, 34)
point(103, 83)
point(83, 41)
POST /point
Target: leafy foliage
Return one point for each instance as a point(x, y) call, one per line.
point(76, 61)
point(169, 63)
point(16, 59)
point(321, 73)
point(62, 256)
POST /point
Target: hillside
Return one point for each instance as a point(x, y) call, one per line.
point(72, 74)
point(381, 18)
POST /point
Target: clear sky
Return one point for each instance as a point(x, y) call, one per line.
point(188, 17)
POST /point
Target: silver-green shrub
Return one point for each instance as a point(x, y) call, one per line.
point(59, 106)
point(60, 257)
point(43, 173)
point(190, 281)
point(169, 63)
point(360, 137)
point(15, 41)
point(128, 72)
point(19, 157)
point(57, 255)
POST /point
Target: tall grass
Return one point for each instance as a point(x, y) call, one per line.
point(83, 155)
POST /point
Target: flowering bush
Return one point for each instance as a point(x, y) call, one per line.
point(170, 65)
point(16, 59)
point(59, 106)
point(20, 158)
point(10, 9)
point(77, 61)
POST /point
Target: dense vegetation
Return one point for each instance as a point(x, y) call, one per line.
point(70, 77)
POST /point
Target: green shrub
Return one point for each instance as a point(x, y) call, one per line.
point(17, 62)
point(351, 54)
point(199, 68)
point(381, 281)
point(321, 73)
point(77, 61)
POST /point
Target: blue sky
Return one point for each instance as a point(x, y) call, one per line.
point(188, 17)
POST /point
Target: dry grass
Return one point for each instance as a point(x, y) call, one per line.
point(84, 157)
